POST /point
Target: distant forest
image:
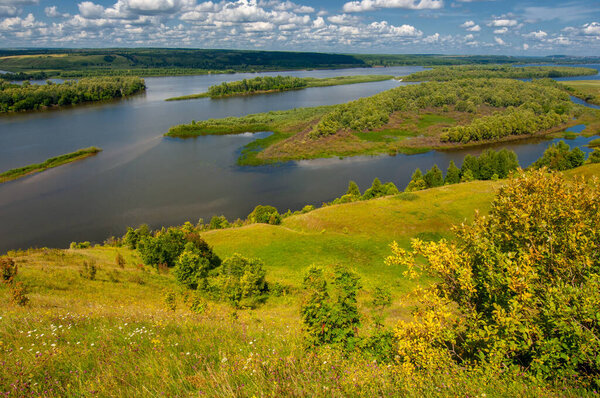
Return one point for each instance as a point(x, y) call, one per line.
point(44, 63)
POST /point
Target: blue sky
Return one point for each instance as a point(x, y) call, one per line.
point(362, 26)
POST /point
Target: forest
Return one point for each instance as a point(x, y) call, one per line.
point(69, 63)
point(26, 96)
point(447, 73)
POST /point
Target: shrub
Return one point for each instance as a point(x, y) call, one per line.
point(8, 269)
point(88, 270)
point(417, 183)
point(594, 156)
point(353, 189)
point(162, 248)
point(307, 208)
point(434, 177)
point(517, 289)
point(218, 222)
point(265, 215)
point(120, 260)
point(18, 294)
point(192, 268)
point(241, 281)
point(133, 236)
point(170, 299)
point(80, 245)
point(560, 157)
point(331, 317)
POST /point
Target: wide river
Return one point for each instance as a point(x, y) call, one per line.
point(143, 177)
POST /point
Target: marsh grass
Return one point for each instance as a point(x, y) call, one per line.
point(48, 164)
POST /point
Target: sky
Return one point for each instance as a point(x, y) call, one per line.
point(514, 27)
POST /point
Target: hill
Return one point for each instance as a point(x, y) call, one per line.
point(109, 333)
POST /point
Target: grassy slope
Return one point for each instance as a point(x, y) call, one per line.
point(48, 164)
point(588, 90)
point(113, 337)
point(311, 82)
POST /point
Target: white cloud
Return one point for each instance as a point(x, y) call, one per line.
point(343, 19)
point(539, 35)
point(501, 31)
point(432, 39)
point(469, 37)
point(592, 28)
point(468, 24)
point(503, 22)
point(498, 40)
point(52, 12)
point(475, 28)
point(525, 46)
point(370, 5)
point(16, 23)
point(87, 9)
point(318, 23)
point(8, 11)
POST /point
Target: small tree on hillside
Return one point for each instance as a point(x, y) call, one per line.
point(434, 177)
point(353, 189)
point(417, 182)
point(452, 175)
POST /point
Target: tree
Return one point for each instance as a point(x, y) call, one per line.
point(434, 177)
point(264, 214)
point(594, 156)
point(470, 163)
point(376, 190)
point(242, 281)
point(515, 289)
point(417, 182)
point(452, 175)
point(191, 269)
point(560, 157)
point(353, 189)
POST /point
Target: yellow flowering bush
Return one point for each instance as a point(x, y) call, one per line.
point(517, 290)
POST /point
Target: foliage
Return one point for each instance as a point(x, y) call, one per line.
point(218, 222)
point(445, 73)
point(133, 236)
point(15, 97)
point(560, 157)
point(265, 215)
point(434, 177)
point(241, 281)
point(518, 290)
point(353, 190)
point(170, 299)
point(18, 294)
point(191, 269)
point(88, 270)
point(258, 84)
point(331, 317)
point(417, 183)
point(452, 174)
point(48, 164)
point(531, 107)
point(163, 248)
point(8, 269)
point(80, 245)
point(120, 260)
point(594, 156)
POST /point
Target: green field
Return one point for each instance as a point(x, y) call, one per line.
point(113, 336)
point(588, 90)
point(48, 164)
point(309, 82)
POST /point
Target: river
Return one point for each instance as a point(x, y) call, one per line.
point(143, 177)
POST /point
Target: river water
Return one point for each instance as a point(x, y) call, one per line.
point(143, 177)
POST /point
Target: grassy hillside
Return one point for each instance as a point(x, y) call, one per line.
point(113, 336)
point(588, 90)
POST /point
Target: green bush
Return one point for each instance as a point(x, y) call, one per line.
point(265, 215)
point(241, 281)
point(560, 157)
point(594, 156)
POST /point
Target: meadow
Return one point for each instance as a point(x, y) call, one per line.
point(112, 333)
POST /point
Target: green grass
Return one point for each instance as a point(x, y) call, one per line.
point(430, 119)
point(594, 143)
point(310, 82)
point(48, 164)
point(588, 90)
point(113, 336)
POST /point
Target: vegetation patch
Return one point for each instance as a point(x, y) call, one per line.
point(446, 73)
point(268, 84)
point(48, 164)
point(26, 96)
point(587, 90)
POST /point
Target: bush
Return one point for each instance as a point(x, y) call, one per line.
point(560, 157)
point(331, 317)
point(417, 183)
point(265, 215)
point(133, 236)
point(80, 245)
point(88, 270)
point(517, 289)
point(170, 300)
point(594, 156)
point(192, 268)
point(434, 177)
point(18, 294)
point(162, 248)
point(241, 281)
point(120, 261)
point(8, 269)
point(353, 190)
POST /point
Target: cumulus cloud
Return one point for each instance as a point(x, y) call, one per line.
point(592, 28)
point(370, 5)
point(52, 12)
point(539, 35)
point(471, 26)
point(500, 31)
point(525, 46)
point(503, 22)
point(499, 41)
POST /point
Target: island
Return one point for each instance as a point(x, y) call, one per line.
point(48, 164)
point(269, 84)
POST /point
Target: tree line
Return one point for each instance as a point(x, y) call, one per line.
point(26, 96)
point(446, 73)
